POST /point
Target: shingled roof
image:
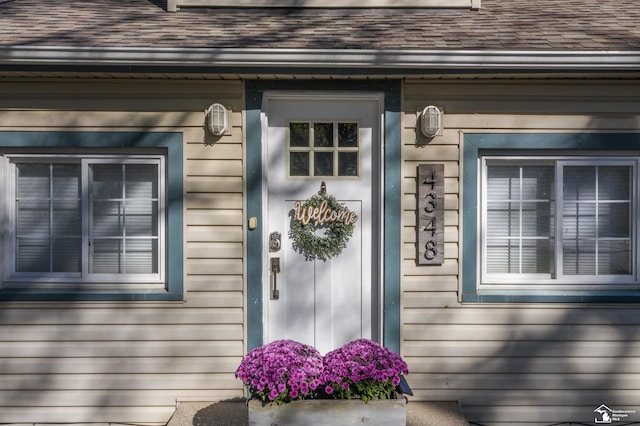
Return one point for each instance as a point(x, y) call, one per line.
point(551, 27)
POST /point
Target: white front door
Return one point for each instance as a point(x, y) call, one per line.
point(309, 140)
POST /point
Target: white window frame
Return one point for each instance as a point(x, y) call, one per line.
point(556, 280)
point(95, 281)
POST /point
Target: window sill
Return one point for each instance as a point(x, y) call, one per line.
point(536, 296)
point(31, 295)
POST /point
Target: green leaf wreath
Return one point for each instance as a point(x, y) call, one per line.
point(323, 247)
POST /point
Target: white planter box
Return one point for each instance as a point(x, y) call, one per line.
point(387, 412)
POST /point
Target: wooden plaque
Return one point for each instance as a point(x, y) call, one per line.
point(430, 214)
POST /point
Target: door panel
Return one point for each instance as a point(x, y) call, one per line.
point(325, 303)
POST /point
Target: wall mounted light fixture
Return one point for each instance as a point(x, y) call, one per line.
point(431, 121)
point(217, 118)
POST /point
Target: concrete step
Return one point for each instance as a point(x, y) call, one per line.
point(235, 413)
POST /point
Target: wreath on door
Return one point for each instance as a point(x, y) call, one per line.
point(321, 226)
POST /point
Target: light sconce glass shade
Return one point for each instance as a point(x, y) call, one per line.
point(431, 121)
point(217, 119)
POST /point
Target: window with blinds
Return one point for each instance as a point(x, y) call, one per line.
point(97, 219)
point(558, 221)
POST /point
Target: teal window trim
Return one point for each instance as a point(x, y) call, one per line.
point(169, 142)
point(391, 89)
point(476, 144)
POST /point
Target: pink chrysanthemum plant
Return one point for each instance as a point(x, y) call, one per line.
point(281, 371)
point(362, 369)
point(285, 370)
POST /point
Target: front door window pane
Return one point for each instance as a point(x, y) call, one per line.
point(323, 135)
point(348, 164)
point(323, 164)
point(299, 134)
point(299, 164)
point(348, 135)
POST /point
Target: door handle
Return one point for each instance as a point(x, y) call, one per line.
point(275, 269)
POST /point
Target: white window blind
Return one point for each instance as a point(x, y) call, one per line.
point(91, 219)
point(519, 219)
point(48, 211)
point(558, 220)
point(124, 218)
point(596, 217)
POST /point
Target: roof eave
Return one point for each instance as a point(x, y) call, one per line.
point(320, 60)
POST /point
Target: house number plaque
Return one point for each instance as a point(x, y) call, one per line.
point(430, 229)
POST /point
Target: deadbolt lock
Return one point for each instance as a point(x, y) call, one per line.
point(275, 241)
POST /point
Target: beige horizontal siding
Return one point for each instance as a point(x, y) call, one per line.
point(85, 415)
point(139, 365)
point(131, 362)
point(519, 332)
point(510, 364)
point(515, 365)
point(566, 315)
point(123, 348)
point(135, 332)
point(127, 314)
point(486, 351)
point(209, 250)
point(580, 412)
point(221, 283)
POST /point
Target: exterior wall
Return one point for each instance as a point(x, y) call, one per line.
point(128, 362)
point(510, 364)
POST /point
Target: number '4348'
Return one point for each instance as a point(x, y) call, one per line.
point(430, 214)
